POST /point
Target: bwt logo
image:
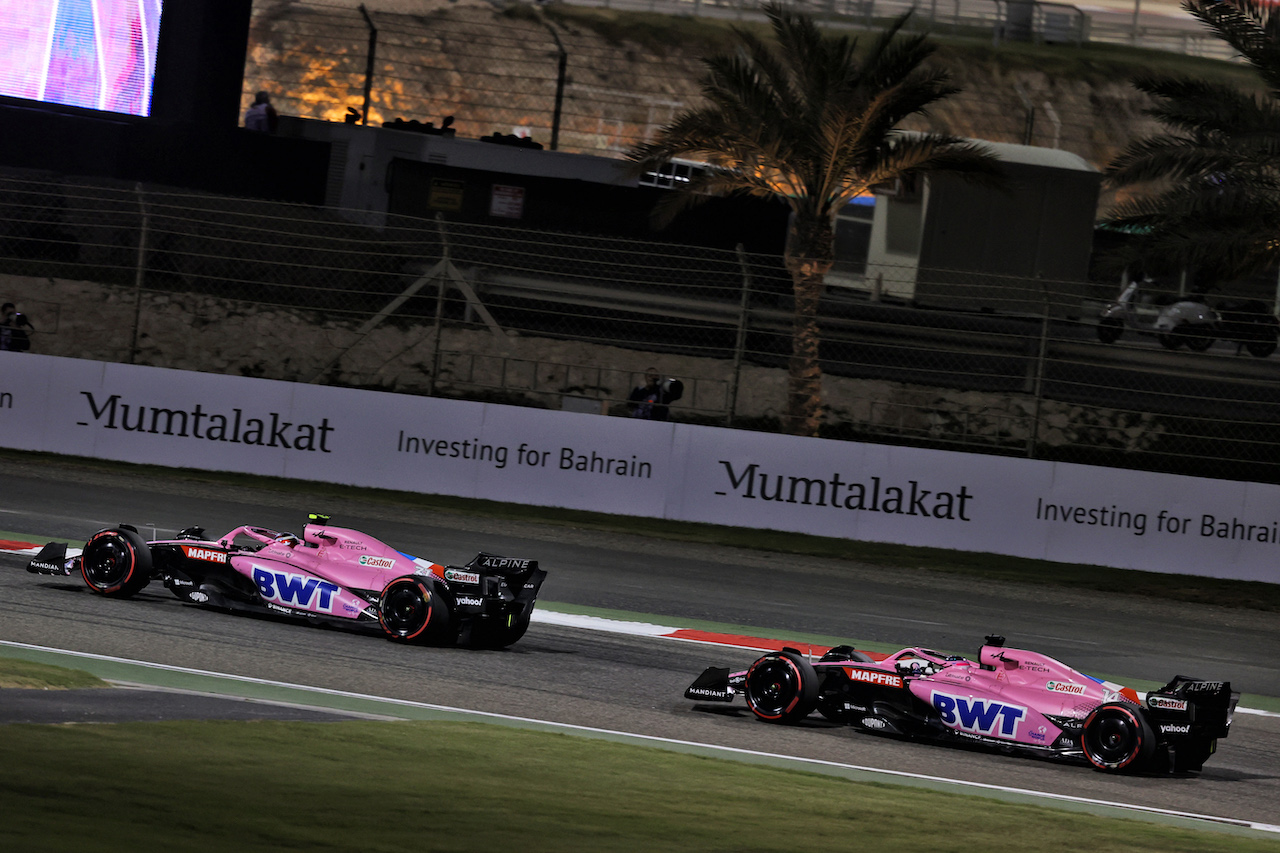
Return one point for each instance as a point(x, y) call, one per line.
point(980, 716)
point(295, 590)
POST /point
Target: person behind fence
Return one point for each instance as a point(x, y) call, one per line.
point(651, 400)
point(261, 116)
point(13, 329)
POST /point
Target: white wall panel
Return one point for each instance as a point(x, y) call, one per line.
point(972, 502)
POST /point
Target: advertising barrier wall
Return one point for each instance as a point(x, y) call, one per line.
point(971, 502)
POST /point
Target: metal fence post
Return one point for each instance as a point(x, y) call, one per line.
point(740, 345)
point(439, 321)
point(1038, 387)
point(368, 64)
point(562, 64)
point(140, 271)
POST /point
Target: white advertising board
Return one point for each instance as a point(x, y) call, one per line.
point(971, 502)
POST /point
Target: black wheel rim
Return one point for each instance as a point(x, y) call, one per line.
point(405, 610)
point(1112, 739)
point(774, 685)
point(107, 563)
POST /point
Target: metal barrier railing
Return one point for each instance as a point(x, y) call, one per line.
point(538, 318)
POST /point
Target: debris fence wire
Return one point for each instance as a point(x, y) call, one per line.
point(977, 362)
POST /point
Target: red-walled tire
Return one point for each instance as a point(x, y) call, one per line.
point(1117, 737)
point(411, 611)
point(116, 563)
point(782, 688)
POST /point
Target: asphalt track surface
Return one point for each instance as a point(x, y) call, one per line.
point(635, 684)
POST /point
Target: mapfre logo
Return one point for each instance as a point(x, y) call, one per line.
point(205, 554)
point(873, 676)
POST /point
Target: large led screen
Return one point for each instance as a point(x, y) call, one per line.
point(99, 54)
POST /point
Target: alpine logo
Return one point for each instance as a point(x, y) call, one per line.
point(874, 676)
point(196, 553)
point(490, 562)
point(980, 716)
point(1166, 703)
point(461, 577)
point(1065, 687)
point(295, 590)
point(1204, 686)
point(378, 562)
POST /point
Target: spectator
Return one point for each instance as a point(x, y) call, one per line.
point(13, 326)
point(650, 400)
point(261, 116)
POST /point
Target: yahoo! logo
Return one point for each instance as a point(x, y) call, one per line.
point(980, 716)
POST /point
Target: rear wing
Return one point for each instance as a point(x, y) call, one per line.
point(1208, 706)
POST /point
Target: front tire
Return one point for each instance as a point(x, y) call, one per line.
point(782, 688)
point(412, 611)
point(116, 562)
point(1117, 737)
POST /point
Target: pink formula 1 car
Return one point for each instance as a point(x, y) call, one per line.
point(1009, 698)
point(330, 574)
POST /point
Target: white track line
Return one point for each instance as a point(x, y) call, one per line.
point(620, 626)
point(1005, 789)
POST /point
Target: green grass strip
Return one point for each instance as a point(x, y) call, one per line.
point(465, 786)
point(42, 676)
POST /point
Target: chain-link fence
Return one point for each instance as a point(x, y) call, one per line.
point(528, 71)
point(572, 322)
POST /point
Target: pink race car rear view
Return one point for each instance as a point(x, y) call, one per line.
point(1008, 698)
point(330, 574)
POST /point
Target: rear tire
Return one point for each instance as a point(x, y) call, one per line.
point(412, 611)
point(116, 563)
point(782, 688)
point(1109, 330)
point(1117, 737)
point(1198, 340)
point(1260, 349)
point(1169, 340)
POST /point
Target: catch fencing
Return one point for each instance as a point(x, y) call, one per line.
point(533, 72)
point(989, 364)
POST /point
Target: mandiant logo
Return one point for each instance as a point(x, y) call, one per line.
point(114, 413)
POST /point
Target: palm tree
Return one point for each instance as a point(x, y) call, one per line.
point(812, 122)
point(1214, 176)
